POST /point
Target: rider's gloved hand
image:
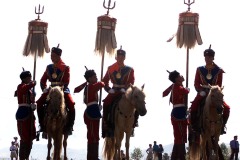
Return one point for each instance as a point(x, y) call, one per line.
point(123, 90)
point(202, 93)
point(45, 90)
point(33, 106)
point(111, 91)
point(100, 107)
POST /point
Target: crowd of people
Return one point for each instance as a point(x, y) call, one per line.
point(155, 151)
point(14, 149)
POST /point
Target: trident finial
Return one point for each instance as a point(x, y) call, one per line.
point(108, 7)
point(189, 4)
point(38, 13)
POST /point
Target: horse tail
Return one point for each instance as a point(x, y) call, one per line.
point(109, 148)
point(194, 151)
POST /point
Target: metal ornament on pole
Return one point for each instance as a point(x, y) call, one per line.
point(105, 37)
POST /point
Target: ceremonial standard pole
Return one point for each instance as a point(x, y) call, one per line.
point(105, 38)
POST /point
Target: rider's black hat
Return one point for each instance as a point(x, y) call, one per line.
point(57, 50)
point(121, 52)
point(209, 52)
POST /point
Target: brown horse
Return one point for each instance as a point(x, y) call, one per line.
point(55, 121)
point(211, 124)
point(133, 99)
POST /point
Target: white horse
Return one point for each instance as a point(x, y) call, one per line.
point(133, 99)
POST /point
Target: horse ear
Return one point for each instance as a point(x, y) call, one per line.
point(209, 85)
point(131, 85)
point(222, 87)
point(143, 86)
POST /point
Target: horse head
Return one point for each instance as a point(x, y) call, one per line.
point(216, 95)
point(56, 99)
point(137, 99)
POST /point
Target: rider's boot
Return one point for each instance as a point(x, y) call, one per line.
point(70, 123)
point(194, 121)
point(132, 134)
point(105, 121)
point(40, 112)
point(225, 119)
point(136, 116)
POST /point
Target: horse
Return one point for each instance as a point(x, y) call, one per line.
point(133, 99)
point(55, 121)
point(211, 125)
point(212, 122)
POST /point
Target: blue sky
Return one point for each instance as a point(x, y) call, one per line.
point(142, 29)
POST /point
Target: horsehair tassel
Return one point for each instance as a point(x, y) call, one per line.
point(36, 42)
point(105, 36)
point(188, 33)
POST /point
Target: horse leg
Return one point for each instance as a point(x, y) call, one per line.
point(49, 147)
point(58, 146)
point(204, 147)
point(216, 148)
point(127, 144)
point(119, 138)
point(65, 137)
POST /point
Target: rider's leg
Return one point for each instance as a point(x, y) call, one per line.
point(71, 113)
point(194, 118)
point(136, 116)
point(41, 110)
point(226, 113)
point(135, 124)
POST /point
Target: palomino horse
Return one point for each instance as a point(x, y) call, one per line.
point(133, 99)
point(55, 121)
point(211, 125)
point(212, 122)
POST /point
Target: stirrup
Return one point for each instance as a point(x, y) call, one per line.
point(223, 130)
point(132, 134)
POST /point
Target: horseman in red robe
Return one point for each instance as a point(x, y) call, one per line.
point(121, 77)
point(25, 114)
point(178, 114)
point(58, 74)
point(208, 74)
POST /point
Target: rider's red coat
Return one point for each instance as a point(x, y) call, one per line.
point(121, 77)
